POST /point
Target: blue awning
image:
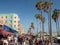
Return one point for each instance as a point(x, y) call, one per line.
point(6, 28)
point(14, 31)
point(9, 29)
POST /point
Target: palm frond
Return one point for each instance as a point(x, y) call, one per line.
point(32, 25)
point(39, 16)
point(55, 14)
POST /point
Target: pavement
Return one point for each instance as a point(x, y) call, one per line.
point(55, 44)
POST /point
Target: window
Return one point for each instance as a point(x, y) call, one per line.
point(15, 17)
point(18, 25)
point(14, 25)
point(6, 16)
point(11, 25)
point(2, 17)
point(18, 28)
point(14, 21)
point(5, 21)
point(11, 17)
point(11, 21)
point(18, 21)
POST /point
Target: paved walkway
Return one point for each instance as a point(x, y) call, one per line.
point(54, 44)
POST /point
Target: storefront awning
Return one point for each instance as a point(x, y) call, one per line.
point(9, 29)
point(4, 32)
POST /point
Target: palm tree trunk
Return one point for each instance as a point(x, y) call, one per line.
point(41, 27)
point(43, 30)
point(48, 23)
point(37, 25)
point(50, 27)
point(40, 30)
point(50, 30)
point(57, 26)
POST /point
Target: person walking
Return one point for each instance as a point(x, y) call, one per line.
point(36, 41)
point(46, 42)
point(40, 42)
point(5, 42)
point(30, 41)
point(9, 39)
point(20, 40)
point(43, 42)
point(16, 40)
point(24, 42)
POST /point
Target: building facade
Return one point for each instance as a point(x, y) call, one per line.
point(21, 30)
point(11, 20)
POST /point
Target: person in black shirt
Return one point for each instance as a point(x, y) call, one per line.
point(20, 40)
point(30, 41)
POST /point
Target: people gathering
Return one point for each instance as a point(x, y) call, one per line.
point(23, 40)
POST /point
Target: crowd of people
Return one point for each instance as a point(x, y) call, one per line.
point(24, 39)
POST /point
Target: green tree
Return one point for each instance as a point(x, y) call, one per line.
point(42, 18)
point(37, 22)
point(47, 9)
point(32, 26)
point(40, 5)
point(29, 30)
point(55, 18)
point(47, 6)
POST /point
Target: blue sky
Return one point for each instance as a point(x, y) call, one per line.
point(26, 10)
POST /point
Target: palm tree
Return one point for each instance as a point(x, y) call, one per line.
point(47, 9)
point(32, 25)
point(40, 5)
point(55, 17)
point(37, 22)
point(29, 30)
point(40, 17)
point(47, 6)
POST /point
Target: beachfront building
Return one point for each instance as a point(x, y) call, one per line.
point(12, 20)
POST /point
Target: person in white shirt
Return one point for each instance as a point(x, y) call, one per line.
point(5, 42)
point(24, 43)
point(16, 40)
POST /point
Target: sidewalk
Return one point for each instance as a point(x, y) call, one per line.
point(54, 44)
